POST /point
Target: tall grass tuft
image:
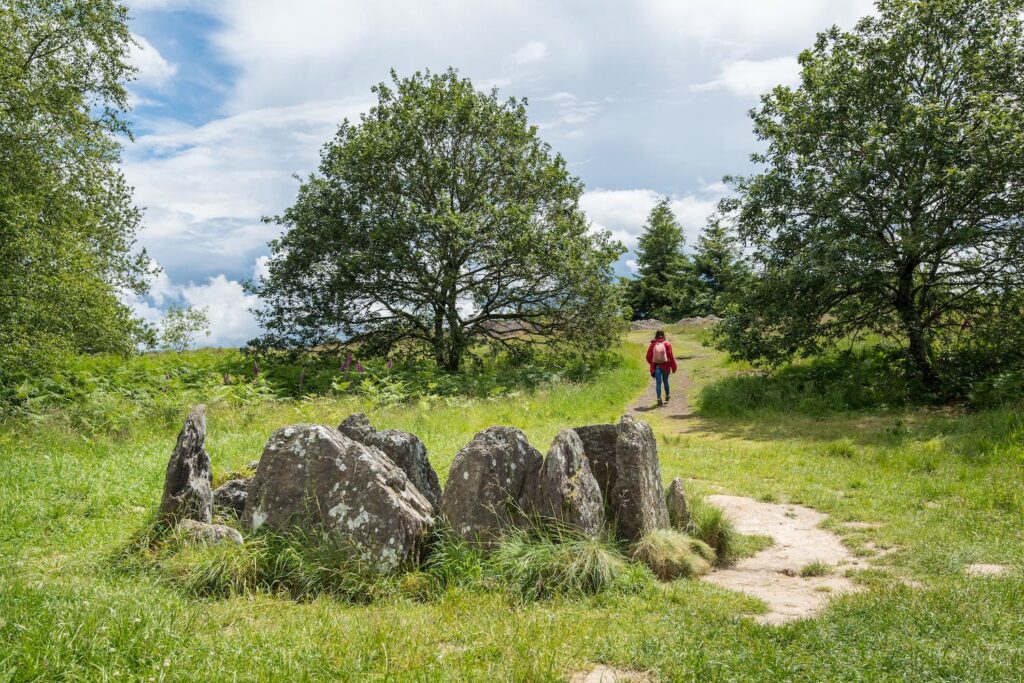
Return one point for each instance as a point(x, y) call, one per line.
point(547, 561)
point(711, 525)
point(673, 555)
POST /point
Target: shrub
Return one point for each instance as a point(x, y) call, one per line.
point(672, 555)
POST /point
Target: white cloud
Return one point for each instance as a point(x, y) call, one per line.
point(530, 53)
point(205, 188)
point(748, 78)
point(153, 70)
point(624, 212)
point(227, 305)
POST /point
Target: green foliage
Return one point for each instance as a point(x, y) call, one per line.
point(181, 324)
point(673, 555)
point(110, 393)
point(891, 197)
point(720, 271)
point(858, 379)
point(439, 222)
point(67, 223)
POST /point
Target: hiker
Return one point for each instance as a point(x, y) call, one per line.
point(662, 362)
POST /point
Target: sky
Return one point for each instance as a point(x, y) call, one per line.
point(234, 98)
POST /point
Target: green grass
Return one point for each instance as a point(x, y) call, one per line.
point(942, 484)
point(816, 568)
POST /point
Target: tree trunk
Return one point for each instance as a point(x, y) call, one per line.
point(919, 351)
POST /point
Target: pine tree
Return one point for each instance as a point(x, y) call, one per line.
point(660, 261)
point(718, 268)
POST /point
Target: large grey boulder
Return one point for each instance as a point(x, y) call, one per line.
point(201, 533)
point(187, 482)
point(678, 509)
point(404, 449)
point(491, 484)
point(567, 490)
point(624, 460)
point(315, 477)
point(232, 494)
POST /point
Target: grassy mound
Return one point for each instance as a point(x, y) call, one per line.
point(711, 525)
point(673, 555)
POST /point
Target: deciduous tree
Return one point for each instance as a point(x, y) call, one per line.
point(892, 194)
point(439, 220)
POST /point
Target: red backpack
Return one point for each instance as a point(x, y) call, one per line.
point(660, 355)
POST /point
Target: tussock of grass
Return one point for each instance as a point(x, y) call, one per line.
point(540, 562)
point(711, 525)
point(672, 555)
point(816, 568)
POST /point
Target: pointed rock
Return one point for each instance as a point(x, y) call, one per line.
point(404, 449)
point(678, 509)
point(567, 490)
point(187, 483)
point(492, 482)
point(624, 460)
point(637, 496)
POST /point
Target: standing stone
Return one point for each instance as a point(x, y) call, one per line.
point(315, 477)
point(637, 496)
point(187, 484)
point(492, 482)
point(567, 490)
point(599, 445)
point(404, 449)
point(678, 510)
point(231, 495)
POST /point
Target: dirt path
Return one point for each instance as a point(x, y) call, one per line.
point(773, 575)
point(678, 408)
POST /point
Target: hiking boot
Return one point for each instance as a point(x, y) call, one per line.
point(666, 398)
point(660, 404)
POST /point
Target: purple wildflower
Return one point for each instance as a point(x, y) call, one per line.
point(347, 363)
point(391, 364)
point(359, 367)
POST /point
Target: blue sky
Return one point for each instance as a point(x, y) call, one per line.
point(644, 99)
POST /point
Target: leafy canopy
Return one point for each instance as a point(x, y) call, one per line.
point(893, 188)
point(440, 221)
point(659, 258)
point(67, 223)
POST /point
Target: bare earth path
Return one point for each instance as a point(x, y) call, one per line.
point(773, 575)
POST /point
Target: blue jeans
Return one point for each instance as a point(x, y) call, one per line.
point(661, 377)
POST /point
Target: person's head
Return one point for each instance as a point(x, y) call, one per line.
point(660, 334)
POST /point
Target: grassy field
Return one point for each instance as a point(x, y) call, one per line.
point(944, 486)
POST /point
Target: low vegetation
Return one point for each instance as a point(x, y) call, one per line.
point(929, 479)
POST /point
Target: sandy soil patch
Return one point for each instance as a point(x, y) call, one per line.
point(982, 569)
point(606, 674)
point(773, 575)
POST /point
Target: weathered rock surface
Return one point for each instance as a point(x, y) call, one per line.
point(210, 534)
point(678, 509)
point(567, 490)
point(637, 496)
point(404, 449)
point(232, 494)
point(187, 483)
point(315, 477)
point(624, 460)
point(492, 481)
point(599, 447)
